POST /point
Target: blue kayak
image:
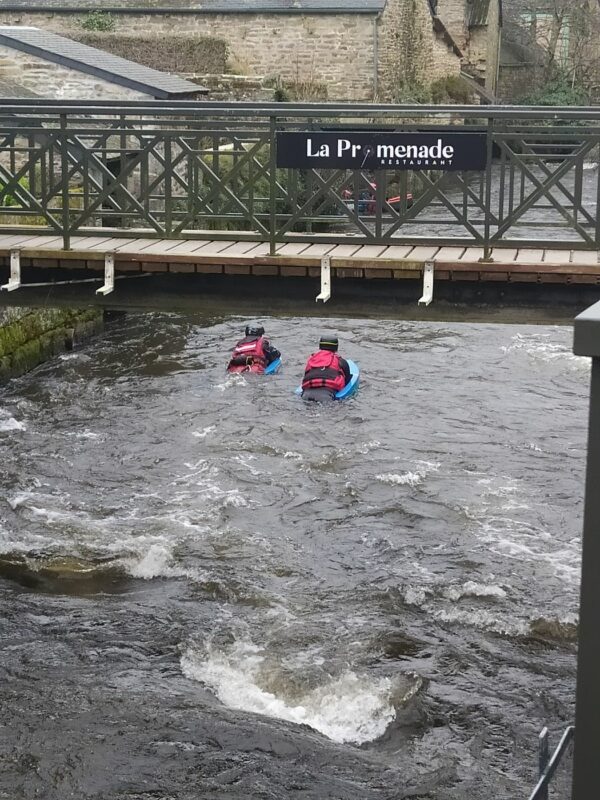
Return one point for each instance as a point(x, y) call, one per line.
point(350, 388)
point(273, 367)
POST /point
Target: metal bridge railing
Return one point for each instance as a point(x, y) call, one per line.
point(548, 766)
point(205, 170)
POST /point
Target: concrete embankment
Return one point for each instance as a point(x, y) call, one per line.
point(30, 336)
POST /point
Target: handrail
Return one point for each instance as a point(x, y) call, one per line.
point(548, 767)
point(283, 110)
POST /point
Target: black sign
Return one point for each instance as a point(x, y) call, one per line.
point(443, 150)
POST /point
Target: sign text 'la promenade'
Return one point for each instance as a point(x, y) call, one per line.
point(441, 150)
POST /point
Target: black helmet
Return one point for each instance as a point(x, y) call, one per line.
point(254, 330)
point(328, 343)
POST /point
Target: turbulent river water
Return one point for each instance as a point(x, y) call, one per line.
point(211, 589)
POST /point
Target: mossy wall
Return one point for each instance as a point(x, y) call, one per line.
point(29, 337)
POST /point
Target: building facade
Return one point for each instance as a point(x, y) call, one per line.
point(360, 50)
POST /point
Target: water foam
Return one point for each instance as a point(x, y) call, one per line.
point(411, 478)
point(10, 424)
point(204, 432)
point(540, 347)
point(347, 708)
point(406, 479)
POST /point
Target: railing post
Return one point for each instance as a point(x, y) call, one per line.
point(587, 707)
point(272, 186)
point(64, 181)
point(487, 251)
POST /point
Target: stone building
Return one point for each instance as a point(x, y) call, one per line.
point(35, 62)
point(359, 50)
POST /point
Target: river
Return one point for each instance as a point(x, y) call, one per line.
point(213, 590)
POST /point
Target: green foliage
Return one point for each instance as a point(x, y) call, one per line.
point(413, 92)
point(451, 89)
point(558, 92)
point(444, 91)
point(299, 91)
point(98, 21)
point(8, 199)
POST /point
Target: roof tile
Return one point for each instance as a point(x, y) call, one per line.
point(84, 58)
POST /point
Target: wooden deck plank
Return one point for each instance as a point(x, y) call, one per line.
point(317, 250)
point(292, 248)
point(528, 256)
point(104, 244)
point(449, 254)
point(110, 245)
point(585, 257)
point(557, 256)
point(422, 253)
point(133, 247)
point(344, 250)
point(161, 246)
point(395, 252)
point(259, 249)
point(472, 255)
point(12, 242)
point(184, 248)
point(504, 255)
point(241, 248)
point(368, 251)
point(213, 248)
point(43, 243)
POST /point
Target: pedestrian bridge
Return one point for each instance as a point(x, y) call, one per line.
point(471, 193)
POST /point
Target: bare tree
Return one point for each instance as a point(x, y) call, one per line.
point(564, 36)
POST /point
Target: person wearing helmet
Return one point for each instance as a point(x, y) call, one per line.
point(252, 353)
point(325, 372)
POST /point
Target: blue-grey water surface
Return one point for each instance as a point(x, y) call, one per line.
point(211, 589)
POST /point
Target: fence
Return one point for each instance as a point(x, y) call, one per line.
point(200, 170)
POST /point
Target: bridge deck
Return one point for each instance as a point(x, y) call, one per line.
point(239, 257)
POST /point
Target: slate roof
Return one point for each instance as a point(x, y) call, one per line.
point(60, 50)
point(206, 6)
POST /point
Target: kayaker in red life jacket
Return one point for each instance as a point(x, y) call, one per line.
point(325, 372)
point(252, 353)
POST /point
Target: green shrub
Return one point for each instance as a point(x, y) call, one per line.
point(98, 21)
point(451, 89)
point(559, 92)
point(8, 199)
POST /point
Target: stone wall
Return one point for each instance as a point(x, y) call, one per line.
point(29, 337)
point(484, 49)
point(338, 50)
point(410, 53)
point(55, 81)
point(517, 80)
point(453, 15)
point(335, 49)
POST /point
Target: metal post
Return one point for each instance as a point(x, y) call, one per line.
point(64, 179)
point(488, 190)
point(109, 275)
point(587, 707)
point(15, 272)
point(325, 280)
point(543, 761)
point(427, 296)
point(272, 186)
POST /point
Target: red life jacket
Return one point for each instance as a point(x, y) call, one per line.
point(323, 371)
point(248, 356)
